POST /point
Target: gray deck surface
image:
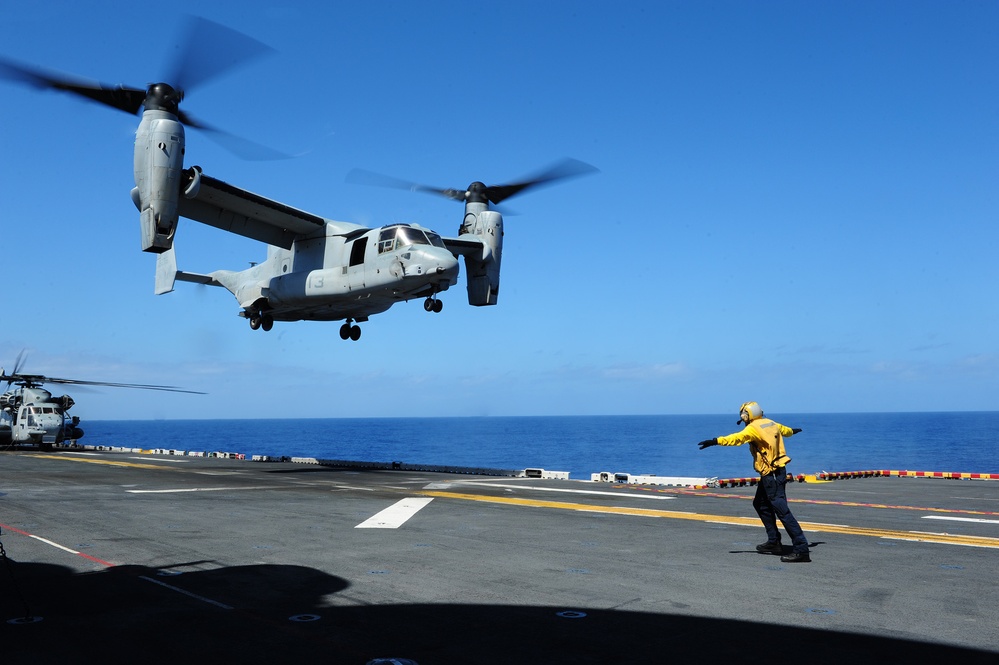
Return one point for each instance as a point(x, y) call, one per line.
point(127, 558)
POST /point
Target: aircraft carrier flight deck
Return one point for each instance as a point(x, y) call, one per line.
point(118, 557)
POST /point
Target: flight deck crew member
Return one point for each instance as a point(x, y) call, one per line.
point(766, 442)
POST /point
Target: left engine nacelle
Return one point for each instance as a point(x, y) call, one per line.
point(159, 160)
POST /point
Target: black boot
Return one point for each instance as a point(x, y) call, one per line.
point(770, 547)
point(796, 557)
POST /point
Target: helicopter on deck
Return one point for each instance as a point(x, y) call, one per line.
point(31, 415)
point(317, 268)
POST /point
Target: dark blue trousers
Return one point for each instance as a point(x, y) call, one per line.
point(771, 505)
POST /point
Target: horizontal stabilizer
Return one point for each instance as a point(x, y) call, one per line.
point(197, 278)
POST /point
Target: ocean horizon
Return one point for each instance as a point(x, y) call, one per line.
point(664, 445)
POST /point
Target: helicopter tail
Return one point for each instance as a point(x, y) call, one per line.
point(167, 274)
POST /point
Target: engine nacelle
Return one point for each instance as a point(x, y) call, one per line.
point(483, 272)
point(159, 160)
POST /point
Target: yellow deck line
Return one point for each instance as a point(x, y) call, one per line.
point(942, 538)
point(89, 460)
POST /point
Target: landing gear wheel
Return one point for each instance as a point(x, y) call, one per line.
point(254, 322)
point(266, 322)
point(433, 305)
point(438, 306)
point(350, 331)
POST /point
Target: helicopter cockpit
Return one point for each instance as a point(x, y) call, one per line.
point(397, 236)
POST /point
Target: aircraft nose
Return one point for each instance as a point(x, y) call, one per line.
point(448, 264)
point(433, 261)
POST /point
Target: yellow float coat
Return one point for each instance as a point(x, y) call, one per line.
point(766, 442)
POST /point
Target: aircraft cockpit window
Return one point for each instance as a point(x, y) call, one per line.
point(395, 237)
point(407, 235)
point(435, 239)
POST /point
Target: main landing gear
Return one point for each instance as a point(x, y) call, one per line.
point(432, 304)
point(261, 321)
point(350, 331)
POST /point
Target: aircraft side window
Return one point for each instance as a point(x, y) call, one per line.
point(357, 251)
point(386, 241)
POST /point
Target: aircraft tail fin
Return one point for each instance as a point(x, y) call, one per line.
point(166, 271)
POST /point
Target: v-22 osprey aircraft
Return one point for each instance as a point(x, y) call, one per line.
point(316, 268)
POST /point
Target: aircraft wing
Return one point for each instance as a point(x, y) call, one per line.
point(466, 246)
point(216, 203)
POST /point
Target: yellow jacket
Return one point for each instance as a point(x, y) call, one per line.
point(766, 441)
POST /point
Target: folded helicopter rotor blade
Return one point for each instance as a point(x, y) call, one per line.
point(567, 168)
point(209, 49)
point(119, 97)
point(140, 386)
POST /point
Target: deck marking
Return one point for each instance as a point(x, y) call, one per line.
point(960, 519)
point(561, 489)
point(186, 593)
point(950, 539)
point(826, 502)
point(58, 546)
point(205, 489)
point(106, 462)
point(174, 461)
point(395, 515)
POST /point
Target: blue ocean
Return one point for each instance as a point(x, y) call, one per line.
point(964, 442)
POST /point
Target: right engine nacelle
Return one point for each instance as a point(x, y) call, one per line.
point(483, 272)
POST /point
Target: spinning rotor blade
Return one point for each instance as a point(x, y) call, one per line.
point(125, 99)
point(362, 177)
point(207, 50)
point(477, 191)
point(567, 168)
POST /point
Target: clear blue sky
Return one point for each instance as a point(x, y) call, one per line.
point(797, 204)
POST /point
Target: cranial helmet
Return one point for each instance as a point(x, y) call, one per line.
point(749, 412)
